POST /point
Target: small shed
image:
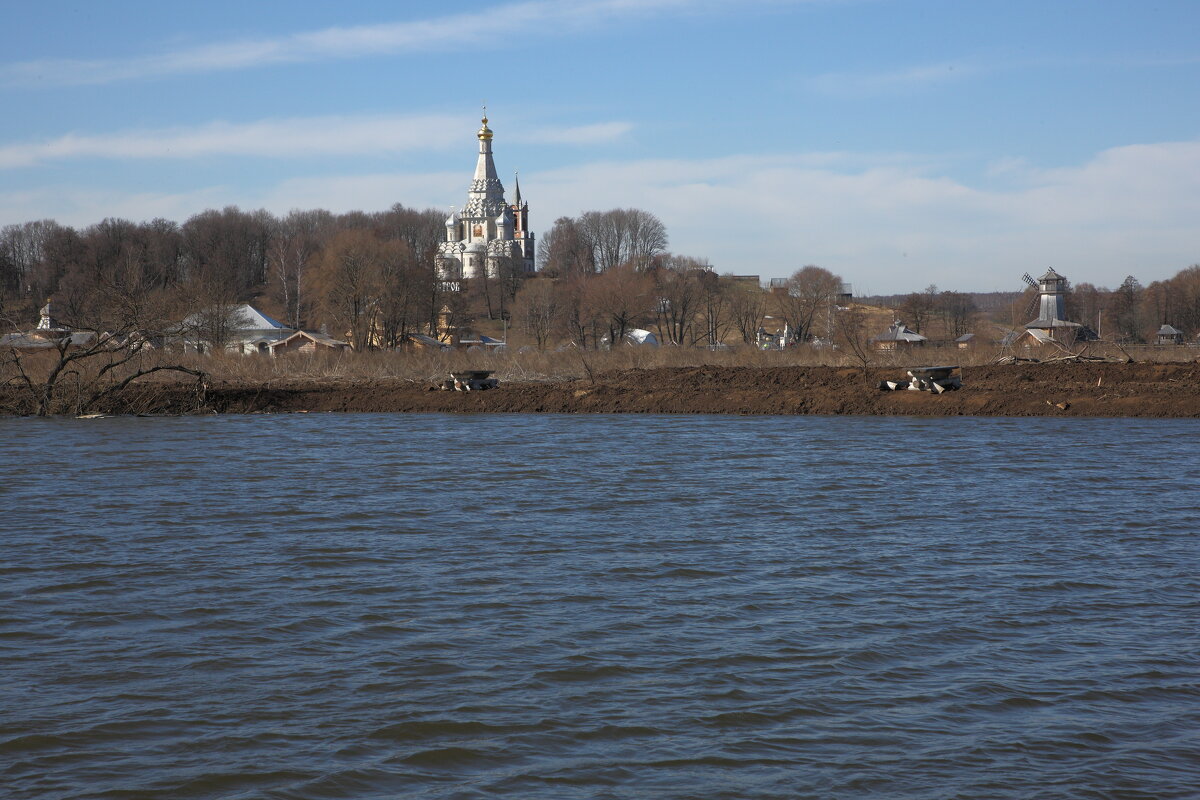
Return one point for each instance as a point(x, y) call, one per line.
point(639, 336)
point(965, 342)
point(1032, 338)
point(422, 342)
point(898, 336)
point(305, 342)
point(635, 337)
point(1169, 334)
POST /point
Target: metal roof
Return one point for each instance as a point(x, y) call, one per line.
point(899, 332)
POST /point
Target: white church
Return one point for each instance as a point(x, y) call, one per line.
point(487, 231)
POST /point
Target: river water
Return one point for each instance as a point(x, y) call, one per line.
point(525, 606)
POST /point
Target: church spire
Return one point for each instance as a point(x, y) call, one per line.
point(517, 188)
point(486, 197)
point(484, 131)
point(486, 232)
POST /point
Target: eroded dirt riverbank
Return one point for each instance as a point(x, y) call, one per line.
point(1084, 389)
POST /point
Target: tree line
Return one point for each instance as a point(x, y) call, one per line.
point(372, 277)
point(311, 268)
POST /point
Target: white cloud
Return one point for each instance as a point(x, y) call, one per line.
point(491, 27)
point(891, 227)
point(883, 224)
point(291, 138)
point(80, 207)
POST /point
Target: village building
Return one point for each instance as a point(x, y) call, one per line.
point(306, 343)
point(49, 333)
point(1033, 338)
point(1050, 325)
point(488, 234)
point(239, 329)
point(898, 337)
point(1168, 335)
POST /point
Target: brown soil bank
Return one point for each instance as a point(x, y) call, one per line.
point(1082, 389)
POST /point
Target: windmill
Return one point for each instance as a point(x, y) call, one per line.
point(1029, 308)
point(1037, 297)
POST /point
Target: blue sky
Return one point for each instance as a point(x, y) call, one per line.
point(897, 143)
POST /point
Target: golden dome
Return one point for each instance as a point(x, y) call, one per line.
point(484, 131)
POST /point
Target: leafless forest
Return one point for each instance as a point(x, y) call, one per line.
point(370, 279)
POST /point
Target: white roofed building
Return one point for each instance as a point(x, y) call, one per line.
point(237, 328)
point(487, 231)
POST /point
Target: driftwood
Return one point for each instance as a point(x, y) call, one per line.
point(1071, 358)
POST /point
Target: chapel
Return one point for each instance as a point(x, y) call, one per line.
point(487, 233)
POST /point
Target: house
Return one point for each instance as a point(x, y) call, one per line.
point(1032, 338)
point(965, 342)
point(897, 337)
point(1168, 334)
point(49, 334)
point(239, 328)
point(307, 343)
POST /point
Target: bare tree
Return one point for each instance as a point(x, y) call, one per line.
point(623, 236)
point(678, 294)
point(811, 292)
point(349, 284)
point(1087, 304)
point(295, 243)
point(565, 250)
point(850, 326)
point(536, 308)
point(747, 308)
point(422, 232)
point(404, 292)
point(22, 248)
point(215, 323)
point(111, 334)
point(646, 234)
point(579, 314)
point(957, 310)
point(919, 307)
point(715, 319)
point(228, 247)
point(621, 298)
point(1128, 314)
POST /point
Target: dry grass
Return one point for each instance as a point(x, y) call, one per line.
point(428, 366)
point(572, 364)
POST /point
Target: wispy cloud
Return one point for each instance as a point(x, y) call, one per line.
point(292, 138)
point(903, 79)
point(490, 27)
point(918, 77)
point(883, 223)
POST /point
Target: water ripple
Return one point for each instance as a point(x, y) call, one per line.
point(423, 606)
